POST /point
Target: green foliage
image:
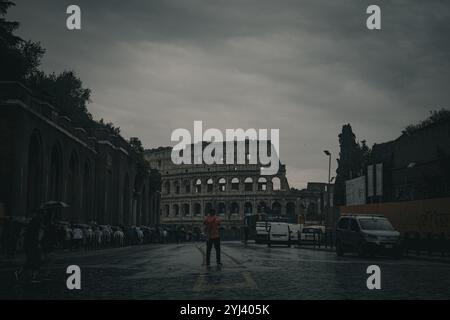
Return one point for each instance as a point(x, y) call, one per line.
point(436, 116)
point(19, 59)
point(353, 158)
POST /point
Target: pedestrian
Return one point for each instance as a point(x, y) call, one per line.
point(212, 224)
point(33, 249)
point(246, 229)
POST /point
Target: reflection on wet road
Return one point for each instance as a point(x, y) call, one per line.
point(178, 271)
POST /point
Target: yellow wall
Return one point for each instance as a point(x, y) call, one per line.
point(432, 215)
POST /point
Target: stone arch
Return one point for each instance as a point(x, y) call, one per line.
point(261, 207)
point(290, 208)
point(248, 208)
point(276, 184)
point(166, 210)
point(198, 186)
point(197, 209)
point(208, 207)
point(248, 184)
point(176, 210)
point(176, 187)
point(210, 185)
point(186, 209)
point(221, 208)
point(35, 170)
point(234, 208)
point(56, 168)
point(276, 208)
point(167, 187)
point(235, 184)
point(262, 184)
point(186, 186)
point(222, 184)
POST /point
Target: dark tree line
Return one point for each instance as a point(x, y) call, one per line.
point(20, 61)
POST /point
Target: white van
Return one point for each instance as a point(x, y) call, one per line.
point(295, 229)
point(262, 231)
point(279, 233)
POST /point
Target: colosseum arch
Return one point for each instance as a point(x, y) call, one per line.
point(198, 186)
point(262, 184)
point(56, 167)
point(186, 209)
point(166, 210)
point(167, 187)
point(276, 183)
point(221, 208)
point(176, 210)
point(222, 184)
point(262, 207)
point(234, 208)
point(290, 208)
point(276, 208)
point(197, 209)
point(248, 184)
point(248, 208)
point(210, 185)
point(176, 187)
point(208, 207)
point(235, 184)
point(186, 186)
point(35, 170)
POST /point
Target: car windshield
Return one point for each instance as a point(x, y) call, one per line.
point(375, 224)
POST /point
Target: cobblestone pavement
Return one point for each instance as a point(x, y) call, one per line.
point(171, 271)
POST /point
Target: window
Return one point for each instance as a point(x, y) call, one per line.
point(222, 184)
point(248, 183)
point(262, 184)
point(198, 186)
point(354, 225)
point(343, 224)
point(235, 184)
point(209, 185)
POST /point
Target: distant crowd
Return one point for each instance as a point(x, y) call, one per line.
point(73, 236)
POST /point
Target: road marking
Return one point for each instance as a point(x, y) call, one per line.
point(202, 285)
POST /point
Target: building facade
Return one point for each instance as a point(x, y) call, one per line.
point(45, 157)
point(188, 192)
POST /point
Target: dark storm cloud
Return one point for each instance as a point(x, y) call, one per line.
point(306, 67)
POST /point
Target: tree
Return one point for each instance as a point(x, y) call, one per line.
point(19, 59)
point(66, 92)
point(353, 158)
point(436, 116)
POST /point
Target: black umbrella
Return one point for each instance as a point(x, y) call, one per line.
point(53, 205)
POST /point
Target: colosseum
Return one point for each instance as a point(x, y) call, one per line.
point(188, 192)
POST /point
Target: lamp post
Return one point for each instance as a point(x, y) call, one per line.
point(328, 153)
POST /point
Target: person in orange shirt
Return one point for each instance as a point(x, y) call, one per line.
point(212, 224)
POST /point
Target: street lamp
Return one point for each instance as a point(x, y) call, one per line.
point(328, 153)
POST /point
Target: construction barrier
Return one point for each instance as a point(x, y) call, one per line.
point(431, 216)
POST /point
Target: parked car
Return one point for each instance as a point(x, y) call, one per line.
point(279, 233)
point(311, 235)
point(295, 230)
point(367, 234)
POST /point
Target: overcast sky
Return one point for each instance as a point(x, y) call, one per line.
point(305, 67)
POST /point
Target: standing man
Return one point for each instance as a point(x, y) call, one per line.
point(212, 224)
point(246, 229)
